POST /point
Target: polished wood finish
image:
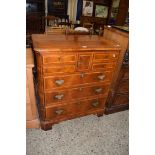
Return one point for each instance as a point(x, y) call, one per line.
point(32, 120)
point(118, 98)
point(75, 73)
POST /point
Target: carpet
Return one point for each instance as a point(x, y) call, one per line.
point(89, 135)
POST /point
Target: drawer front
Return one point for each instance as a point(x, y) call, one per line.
point(104, 57)
point(77, 107)
point(123, 87)
point(53, 58)
point(103, 66)
point(57, 112)
point(59, 58)
point(84, 62)
point(75, 93)
point(58, 69)
point(76, 79)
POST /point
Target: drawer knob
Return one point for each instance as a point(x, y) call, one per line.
point(101, 77)
point(114, 55)
point(78, 63)
point(81, 75)
point(95, 104)
point(59, 97)
point(59, 82)
point(59, 112)
point(98, 90)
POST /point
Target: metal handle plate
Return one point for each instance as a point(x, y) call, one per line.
point(59, 97)
point(59, 82)
point(98, 90)
point(59, 111)
point(95, 104)
point(82, 75)
point(101, 77)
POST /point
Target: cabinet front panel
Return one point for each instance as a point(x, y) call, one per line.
point(76, 93)
point(76, 79)
point(59, 58)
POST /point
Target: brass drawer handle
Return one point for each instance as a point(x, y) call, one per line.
point(95, 104)
point(59, 82)
point(98, 90)
point(59, 97)
point(101, 77)
point(59, 112)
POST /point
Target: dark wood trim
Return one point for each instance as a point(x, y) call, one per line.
point(116, 109)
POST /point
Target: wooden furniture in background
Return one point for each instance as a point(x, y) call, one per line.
point(118, 98)
point(97, 21)
point(74, 74)
point(31, 109)
point(35, 9)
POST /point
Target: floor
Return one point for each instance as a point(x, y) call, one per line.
point(89, 135)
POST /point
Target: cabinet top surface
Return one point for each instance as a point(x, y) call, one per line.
point(43, 42)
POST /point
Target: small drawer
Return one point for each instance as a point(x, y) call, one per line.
point(66, 81)
point(75, 93)
point(84, 62)
point(102, 57)
point(52, 58)
point(68, 58)
point(58, 69)
point(103, 66)
point(59, 58)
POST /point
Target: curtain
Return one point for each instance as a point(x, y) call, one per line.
point(79, 9)
point(72, 10)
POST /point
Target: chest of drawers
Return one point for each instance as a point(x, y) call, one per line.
point(74, 75)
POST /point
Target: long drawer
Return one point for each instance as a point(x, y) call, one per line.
point(74, 108)
point(75, 79)
point(75, 93)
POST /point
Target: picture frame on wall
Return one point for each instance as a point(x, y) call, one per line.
point(101, 11)
point(87, 8)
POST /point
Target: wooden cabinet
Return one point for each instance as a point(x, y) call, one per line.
point(35, 10)
point(74, 75)
point(118, 98)
point(32, 120)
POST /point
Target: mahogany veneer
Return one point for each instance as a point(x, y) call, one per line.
point(74, 75)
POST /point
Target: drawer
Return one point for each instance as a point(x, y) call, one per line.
point(123, 87)
point(75, 93)
point(57, 112)
point(59, 58)
point(103, 66)
point(77, 107)
point(58, 69)
point(121, 99)
point(102, 57)
point(84, 62)
point(75, 79)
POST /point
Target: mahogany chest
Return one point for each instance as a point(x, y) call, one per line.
point(74, 75)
